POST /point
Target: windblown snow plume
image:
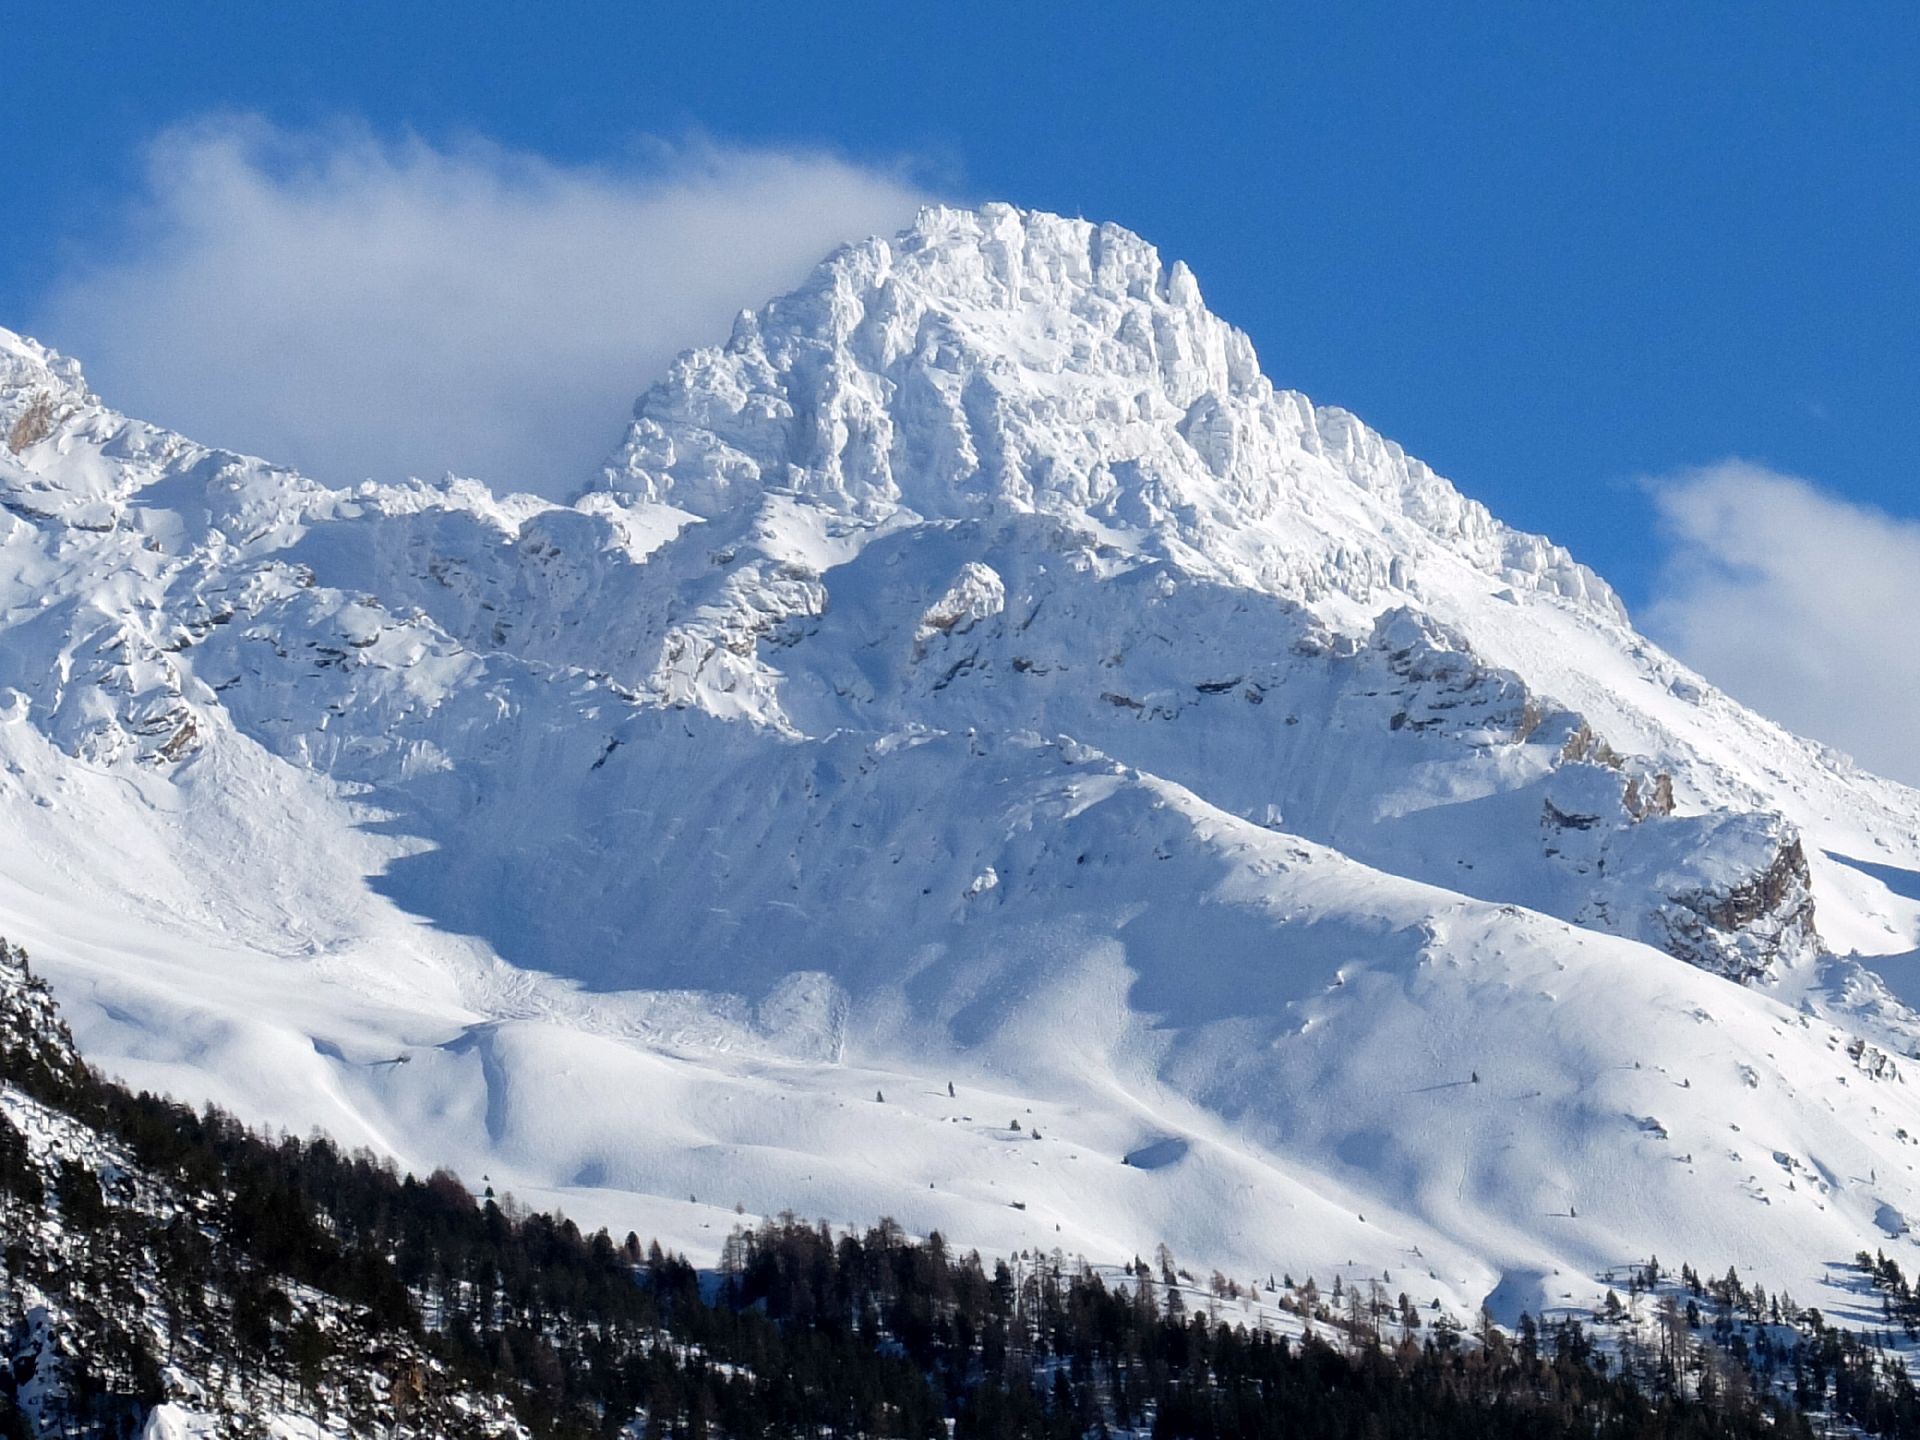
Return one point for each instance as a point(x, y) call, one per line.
point(364, 307)
point(1797, 601)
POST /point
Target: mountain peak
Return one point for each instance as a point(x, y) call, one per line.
point(1001, 361)
point(1000, 256)
point(972, 657)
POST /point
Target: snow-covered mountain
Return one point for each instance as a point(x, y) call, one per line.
point(974, 671)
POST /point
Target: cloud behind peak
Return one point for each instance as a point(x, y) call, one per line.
point(358, 305)
point(1797, 602)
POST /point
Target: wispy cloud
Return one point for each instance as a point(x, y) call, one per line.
point(358, 305)
point(1799, 603)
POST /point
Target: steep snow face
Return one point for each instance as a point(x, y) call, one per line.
point(997, 363)
point(974, 670)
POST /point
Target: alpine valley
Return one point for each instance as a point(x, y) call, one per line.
point(979, 754)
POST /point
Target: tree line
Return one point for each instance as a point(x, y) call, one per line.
point(292, 1273)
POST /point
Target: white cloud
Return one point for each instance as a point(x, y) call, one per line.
point(1803, 605)
point(358, 306)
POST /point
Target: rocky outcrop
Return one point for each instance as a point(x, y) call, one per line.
point(1728, 892)
point(976, 594)
point(1872, 1061)
point(34, 1039)
point(1649, 795)
point(1747, 929)
point(33, 426)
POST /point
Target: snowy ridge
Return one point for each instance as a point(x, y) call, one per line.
point(997, 362)
point(973, 670)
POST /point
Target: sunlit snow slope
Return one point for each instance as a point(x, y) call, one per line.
point(974, 671)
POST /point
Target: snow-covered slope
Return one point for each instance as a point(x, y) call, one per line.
point(974, 671)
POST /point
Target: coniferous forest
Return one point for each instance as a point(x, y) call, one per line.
point(153, 1253)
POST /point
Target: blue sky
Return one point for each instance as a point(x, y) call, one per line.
point(1552, 249)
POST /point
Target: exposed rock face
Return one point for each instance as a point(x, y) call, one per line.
point(34, 424)
point(1648, 796)
point(1585, 747)
point(1746, 929)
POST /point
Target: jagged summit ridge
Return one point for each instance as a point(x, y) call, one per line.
point(998, 361)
